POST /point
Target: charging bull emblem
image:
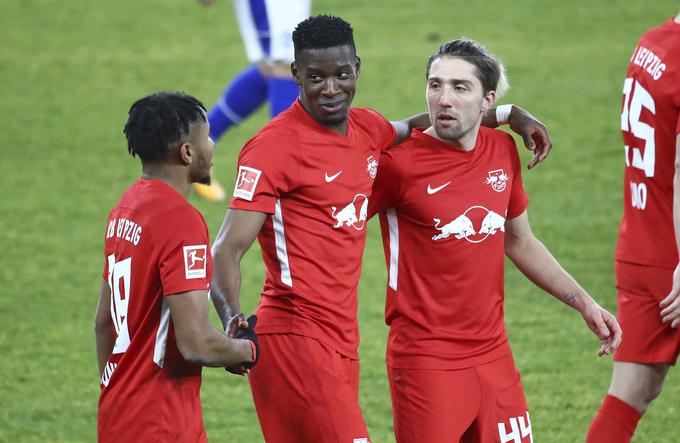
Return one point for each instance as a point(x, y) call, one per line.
point(354, 214)
point(463, 226)
point(460, 227)
point(498, 180)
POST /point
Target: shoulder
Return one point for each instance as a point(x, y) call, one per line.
point(496, 137)
point(178, 216)
point(367, 117)
point(279, 135)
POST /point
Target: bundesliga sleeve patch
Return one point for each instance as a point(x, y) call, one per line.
point(194, 261)
point(246, 182)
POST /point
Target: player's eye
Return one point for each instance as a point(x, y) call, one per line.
point(343, 75)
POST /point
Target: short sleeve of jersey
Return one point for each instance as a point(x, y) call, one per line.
point(677, 125)
point(518, 197)
point(384, 132)
point(390, 180)
point(185, 263)
point(266, 169)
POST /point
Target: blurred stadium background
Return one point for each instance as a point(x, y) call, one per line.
point(69, 71)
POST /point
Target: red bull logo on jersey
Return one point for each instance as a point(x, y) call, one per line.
point(372, 167)
point(246, 182)
point(498, 180)
point(463, 226)
point(354, 214)
point(194, 261)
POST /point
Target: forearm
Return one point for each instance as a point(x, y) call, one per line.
point(214, 349)
point(676, 201)
point(226, 284)
point(403, 127)
point(105, 339)
point(534, 260)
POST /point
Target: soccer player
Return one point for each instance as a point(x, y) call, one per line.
point(152, 327)
point(451, 203)
point(649, 235)
point(302, 188)
point(266, 27)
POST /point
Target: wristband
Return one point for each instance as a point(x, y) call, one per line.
point(503, 114)
point(253, 350)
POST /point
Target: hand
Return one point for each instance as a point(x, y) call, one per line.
point(605, 326)
point(670, 305)
point(247, 333)
point(534, 133)
point(235, 323)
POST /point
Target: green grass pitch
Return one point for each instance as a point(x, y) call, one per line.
point(68, 73)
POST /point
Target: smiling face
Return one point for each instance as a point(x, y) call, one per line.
point(327, 78)
point(456, 101)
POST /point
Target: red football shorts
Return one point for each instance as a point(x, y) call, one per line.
point(645, 338)
point(305, 391)
point(481, 404)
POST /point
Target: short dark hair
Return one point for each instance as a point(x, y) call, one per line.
point(322, 31)
point(159, 122)
point(490, 70)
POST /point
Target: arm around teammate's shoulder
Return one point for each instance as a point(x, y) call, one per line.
point(197, 340)
point(534, 260)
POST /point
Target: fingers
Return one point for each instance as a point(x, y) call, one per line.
point(671, 311)
point(542, 145)
point(673, 295)
point(607, 328)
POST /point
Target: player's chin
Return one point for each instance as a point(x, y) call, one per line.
point(204, 180)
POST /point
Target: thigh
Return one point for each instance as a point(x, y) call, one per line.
point(249, 25)
point(503, 415)
point(645, 338)
point(432, 405)
point(305, 391)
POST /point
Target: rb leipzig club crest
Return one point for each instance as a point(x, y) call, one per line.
point(372, 167)
point(498, 180)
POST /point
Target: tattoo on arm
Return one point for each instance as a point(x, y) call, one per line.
point(570, 298)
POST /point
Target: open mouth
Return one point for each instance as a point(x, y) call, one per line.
point(446, 119)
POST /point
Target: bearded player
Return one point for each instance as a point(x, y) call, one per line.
point(152, 327)
point(451, 203)
point(646, 255)
point(302, 189)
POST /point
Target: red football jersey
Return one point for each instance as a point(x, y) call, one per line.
point(442, 216)
point(650, 122)
point(315, 184)
point(156, 245)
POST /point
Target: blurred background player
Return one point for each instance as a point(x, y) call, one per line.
point(302, 189)
point(646, 260)
point(452, 203)
point(266, 27)
point(152, 327)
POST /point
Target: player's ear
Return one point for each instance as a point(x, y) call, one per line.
point(357, 66)
point(489, 100)
point(185, 154)
point(295, 71)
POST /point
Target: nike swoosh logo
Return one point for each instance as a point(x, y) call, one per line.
point(431, 190)
point(330, 178)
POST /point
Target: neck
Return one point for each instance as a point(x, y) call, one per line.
point(340, 128)
point(167, 176)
